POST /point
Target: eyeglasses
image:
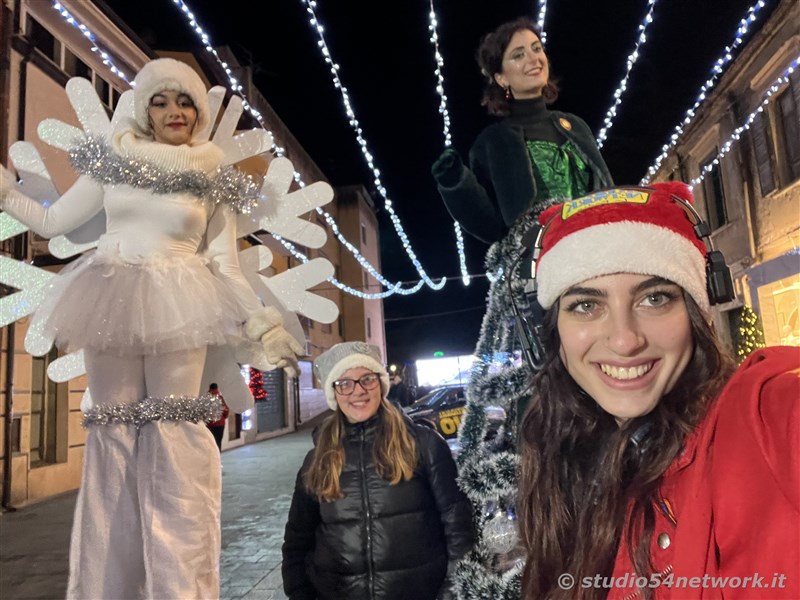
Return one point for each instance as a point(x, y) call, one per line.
point(368, 382)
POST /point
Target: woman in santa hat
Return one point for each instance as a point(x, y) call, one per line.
point(651, 467)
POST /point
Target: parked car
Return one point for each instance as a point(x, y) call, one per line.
point(442, 408)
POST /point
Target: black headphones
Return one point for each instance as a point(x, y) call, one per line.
point(718, 279)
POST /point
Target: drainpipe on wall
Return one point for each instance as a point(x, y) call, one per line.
point(8, 422)
point(9, 25)
point(6, 29)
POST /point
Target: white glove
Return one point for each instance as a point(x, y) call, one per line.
point(282, 350)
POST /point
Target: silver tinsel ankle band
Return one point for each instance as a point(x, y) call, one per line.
point(193, 409)
point(95, 158)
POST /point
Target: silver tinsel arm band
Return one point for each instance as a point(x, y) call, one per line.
point(95, 158)
point(169, 408)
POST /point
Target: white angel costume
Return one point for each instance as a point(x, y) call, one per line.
point(163, 284)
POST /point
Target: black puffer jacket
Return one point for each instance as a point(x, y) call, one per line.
point(380, 541)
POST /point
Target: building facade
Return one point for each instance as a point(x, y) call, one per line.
point(41, 436)
point(751, 196)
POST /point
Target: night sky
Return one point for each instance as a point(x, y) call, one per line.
point(386, 62)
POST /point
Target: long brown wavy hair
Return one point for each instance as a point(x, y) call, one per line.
point(581, 471)
point(490, 59)
point(394, 453)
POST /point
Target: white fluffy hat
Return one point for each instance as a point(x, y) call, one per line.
point(168, 74)
point(330, 365)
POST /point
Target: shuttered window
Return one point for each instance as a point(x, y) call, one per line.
point(762, 147)
point(789, 119)
point(714, 195)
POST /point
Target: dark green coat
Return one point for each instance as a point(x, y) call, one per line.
point(499, 187)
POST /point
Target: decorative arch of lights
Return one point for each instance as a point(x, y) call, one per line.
point(397, 287)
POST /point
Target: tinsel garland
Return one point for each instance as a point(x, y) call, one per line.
point(193, 409)
point(489, 469)
point(95, 158)
point(475, 584)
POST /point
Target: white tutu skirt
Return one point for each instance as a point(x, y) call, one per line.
point(159, 306)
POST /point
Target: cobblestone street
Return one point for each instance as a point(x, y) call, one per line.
point(257, 484)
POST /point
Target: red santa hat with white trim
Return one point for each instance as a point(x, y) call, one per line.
point(621, 230)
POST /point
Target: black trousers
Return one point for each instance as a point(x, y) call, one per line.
point(217, 431)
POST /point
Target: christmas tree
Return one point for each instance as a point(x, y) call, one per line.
point(748, 333)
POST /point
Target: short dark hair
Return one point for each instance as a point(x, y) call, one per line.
point(213, 386)
point(490, 59)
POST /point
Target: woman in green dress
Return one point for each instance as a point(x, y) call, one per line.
point(530, 158)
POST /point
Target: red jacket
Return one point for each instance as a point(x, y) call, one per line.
point(732, 498)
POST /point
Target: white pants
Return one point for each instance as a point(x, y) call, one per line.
point(147, 521)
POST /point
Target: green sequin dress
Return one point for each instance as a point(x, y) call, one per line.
point(558, 169)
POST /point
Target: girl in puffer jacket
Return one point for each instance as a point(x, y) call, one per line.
point(376, 511)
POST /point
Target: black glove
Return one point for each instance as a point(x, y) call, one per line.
point(447, 168)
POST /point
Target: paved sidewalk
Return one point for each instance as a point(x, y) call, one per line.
point(257, 484)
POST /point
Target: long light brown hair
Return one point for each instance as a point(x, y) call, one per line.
point(581, 472)
point(394, 453)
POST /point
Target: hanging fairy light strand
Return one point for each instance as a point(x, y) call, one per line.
point(397, 289)
point(334, 68)
point(737, 133)
point(91, 37)
point(623, 85)
point(717, 70)
point(279, 151)
point(540, 20)
point(234, 83)
point(433, 28)
point(448, 141)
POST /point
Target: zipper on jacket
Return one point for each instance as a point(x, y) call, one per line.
point(367, 514)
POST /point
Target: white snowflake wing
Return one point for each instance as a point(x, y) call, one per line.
point(93, 117)
point(29, 280)
point(90, 112)
point(253, 262)
point(291, 288)
point(238, 147)
point(216, 95)
point(278, 210)
point(123, 116)
point(223, 369)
